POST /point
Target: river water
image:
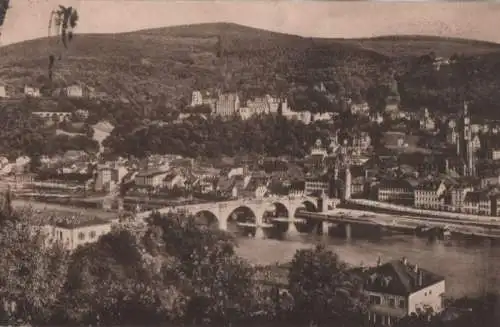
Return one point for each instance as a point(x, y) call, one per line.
point(470, 267)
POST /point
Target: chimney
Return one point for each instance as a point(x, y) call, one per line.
point(415, 268)
point(379, 261)
point(420, 278)
point(404, 261)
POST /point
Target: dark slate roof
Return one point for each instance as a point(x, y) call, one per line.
point(475, 197)
point(398, 278)
point(151, 172)
point(395, 184)
point(430, 185)
point(72, 224)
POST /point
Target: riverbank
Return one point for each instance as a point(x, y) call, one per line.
point(470, 267)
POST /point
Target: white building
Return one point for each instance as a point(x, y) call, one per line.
point(227, 104)
point(74, 91)
point(397, 289)
point(196, 99)
point(31, 91)
point(77, 233)
point(3, 91)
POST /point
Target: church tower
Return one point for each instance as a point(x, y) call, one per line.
point(464, 148)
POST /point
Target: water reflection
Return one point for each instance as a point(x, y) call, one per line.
point(470, 266)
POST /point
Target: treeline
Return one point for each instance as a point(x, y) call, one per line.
point(473, 79)
point(213, 137)
point(21, 133)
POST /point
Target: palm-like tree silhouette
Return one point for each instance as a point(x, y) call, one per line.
point(63, 21)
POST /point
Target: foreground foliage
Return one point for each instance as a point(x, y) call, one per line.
point(172, 270)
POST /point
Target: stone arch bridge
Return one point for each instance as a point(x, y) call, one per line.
point(223, 211)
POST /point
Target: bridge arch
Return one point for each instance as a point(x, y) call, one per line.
point(242, 214)
point(240, 219)
point(308, 206)
point(207, 218)
point(277, 209)
point(309, 225)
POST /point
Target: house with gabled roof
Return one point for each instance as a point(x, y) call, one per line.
point(397, 289)
point(477, 203)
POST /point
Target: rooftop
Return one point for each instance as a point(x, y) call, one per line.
point(77, 223)
point(151, 172)
point(398, 277)
point(476, 196)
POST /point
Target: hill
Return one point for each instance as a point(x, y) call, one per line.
point(418, 45)
point(162, 66)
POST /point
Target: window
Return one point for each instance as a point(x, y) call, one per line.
point(392, 302)
point(92, 234)
point(430, 292)
point(402, 304)
point(375, 299)
point(81, 236)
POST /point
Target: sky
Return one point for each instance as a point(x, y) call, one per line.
point(28, 19)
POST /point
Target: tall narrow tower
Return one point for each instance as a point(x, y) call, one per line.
point(466, 149)
point(348, 181)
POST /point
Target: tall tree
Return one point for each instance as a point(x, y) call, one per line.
point(32, 273)
point(323, 289)
point(218, 284)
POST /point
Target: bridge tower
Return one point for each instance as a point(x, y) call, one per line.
point(348, 181)
point(346, 167)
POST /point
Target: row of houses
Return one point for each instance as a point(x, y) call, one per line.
point(444, 195)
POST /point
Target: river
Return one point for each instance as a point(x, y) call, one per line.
point(470, 267)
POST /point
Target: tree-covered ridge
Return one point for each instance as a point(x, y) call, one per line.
point(213, 137)
point(22, 133)
point(170, 63)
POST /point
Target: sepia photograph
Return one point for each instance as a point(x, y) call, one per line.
point(249, 163)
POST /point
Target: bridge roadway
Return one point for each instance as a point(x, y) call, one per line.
point(222, 211)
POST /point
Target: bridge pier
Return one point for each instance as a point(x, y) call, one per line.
point(324, 227)
point(259, 233)
point(348, 231)
point(292, 229)
point(223, 224)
